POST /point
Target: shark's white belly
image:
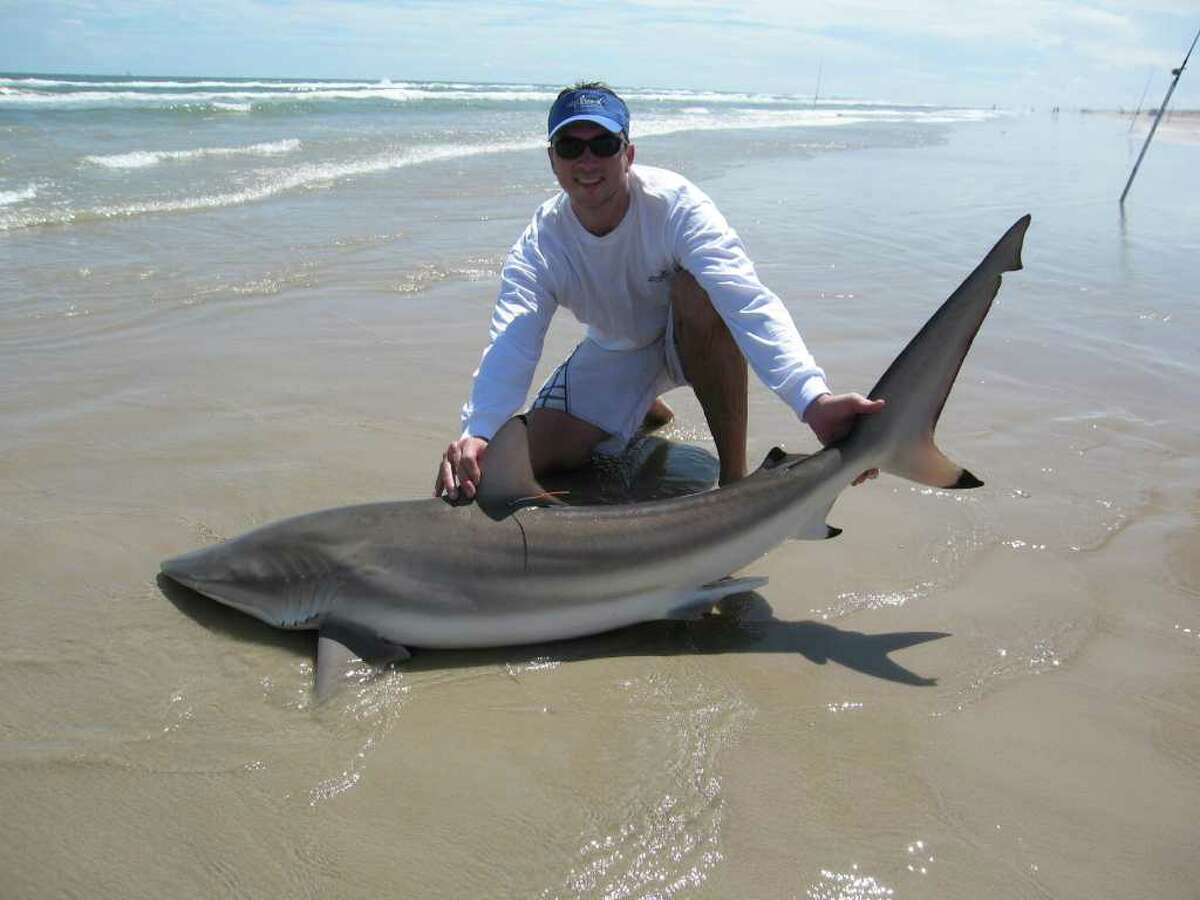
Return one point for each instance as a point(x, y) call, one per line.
point(553, 621)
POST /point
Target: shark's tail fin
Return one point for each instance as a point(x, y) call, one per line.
point(916, 385)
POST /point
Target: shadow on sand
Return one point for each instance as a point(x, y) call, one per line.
point(742, 623)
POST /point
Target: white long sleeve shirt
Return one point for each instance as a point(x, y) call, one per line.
point(618, 286)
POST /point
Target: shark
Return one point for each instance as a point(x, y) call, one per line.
point(519, 566)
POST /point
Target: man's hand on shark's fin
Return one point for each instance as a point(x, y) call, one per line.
point(460, 468)
point(831, 416)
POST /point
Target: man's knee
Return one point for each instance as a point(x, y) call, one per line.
point(691, 306)
point(558, 440)
point(701, 334)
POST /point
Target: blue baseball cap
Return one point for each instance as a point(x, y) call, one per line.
point(589, 105)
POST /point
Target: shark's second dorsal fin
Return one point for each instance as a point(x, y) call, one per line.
point(777, 457)
point(814, 528)
point(508, 481)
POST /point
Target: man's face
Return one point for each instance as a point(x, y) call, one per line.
point(594, 184)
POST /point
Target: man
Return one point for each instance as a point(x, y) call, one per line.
point(669, 297)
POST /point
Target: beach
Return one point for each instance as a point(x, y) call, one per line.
point(222, 309)
point(1174, 127)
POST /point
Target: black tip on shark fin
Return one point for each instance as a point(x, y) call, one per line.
point(965, 481)
point(1017, 233)
point(816, 528)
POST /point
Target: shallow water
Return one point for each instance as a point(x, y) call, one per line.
point(175, 377)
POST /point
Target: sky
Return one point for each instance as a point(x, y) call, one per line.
point(1014, 54)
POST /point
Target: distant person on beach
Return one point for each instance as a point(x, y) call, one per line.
point(644, 259)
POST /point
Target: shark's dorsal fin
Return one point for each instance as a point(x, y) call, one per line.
point(508, 481)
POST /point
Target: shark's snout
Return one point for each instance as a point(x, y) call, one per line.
point(213, 571)
point(190, 569)
point(258, 576)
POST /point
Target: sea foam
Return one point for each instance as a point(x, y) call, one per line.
point(7, 198)
point(214, 94)
point(300, 177)
point(140, 159)
point(311, 175)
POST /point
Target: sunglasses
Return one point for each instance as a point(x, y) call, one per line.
point(602, 146)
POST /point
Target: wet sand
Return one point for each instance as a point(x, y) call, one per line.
point(1180, 127)
point(1039, 739)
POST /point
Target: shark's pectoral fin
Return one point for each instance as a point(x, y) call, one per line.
point(508, 482)
point(334, 660)
point(341, 646)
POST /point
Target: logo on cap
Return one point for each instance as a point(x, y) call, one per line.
point(589, 105)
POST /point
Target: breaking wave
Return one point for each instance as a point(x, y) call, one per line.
point(245, 96)
point(140, 159)
point(296, 178)
point(7, 198)
point(312, 174)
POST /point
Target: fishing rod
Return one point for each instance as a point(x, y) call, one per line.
point(1162, 109)
point(1137, 112)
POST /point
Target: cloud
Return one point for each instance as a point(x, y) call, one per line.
point(921, 50)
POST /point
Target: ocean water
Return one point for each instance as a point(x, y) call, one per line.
point(88, 149)
point(225, 301)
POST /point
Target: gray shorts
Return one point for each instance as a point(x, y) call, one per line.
point(613, 389)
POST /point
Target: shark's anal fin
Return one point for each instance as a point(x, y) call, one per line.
point(777, 457)
point(822, 531)
point(816, 528)
point(340, 645)
point(508, 481)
